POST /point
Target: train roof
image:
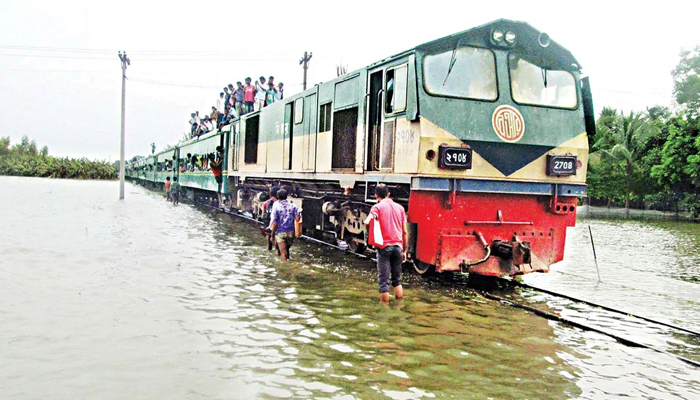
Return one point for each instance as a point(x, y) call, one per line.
point(527, 45)
point(530, 44)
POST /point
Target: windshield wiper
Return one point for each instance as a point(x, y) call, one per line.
point(544, 77)
point(453, 60)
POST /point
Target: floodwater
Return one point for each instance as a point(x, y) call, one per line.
point(140, 299)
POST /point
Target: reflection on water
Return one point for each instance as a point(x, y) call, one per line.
point(141, 299)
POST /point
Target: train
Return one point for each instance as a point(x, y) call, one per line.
point(481, 135)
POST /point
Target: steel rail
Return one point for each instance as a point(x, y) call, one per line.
point(554, 317)
point(572, 298)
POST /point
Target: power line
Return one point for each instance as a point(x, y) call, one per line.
point(59, 49)
point(196, 59)
point(172, 84)
point(109, 51)
point(55, 70)
point(47, 56)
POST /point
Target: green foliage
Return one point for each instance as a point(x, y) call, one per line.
point(652, 159)
point(4, 146)
point(605, 180)
point(674, 171)
point(23, 159)
point(686, 81)
point(619, 150)
point(691, 202)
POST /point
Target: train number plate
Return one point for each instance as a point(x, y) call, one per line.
point(561, 165)
point(454, 157)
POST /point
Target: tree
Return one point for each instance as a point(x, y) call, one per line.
point(4, 146)
point(44, 151)
point(673, 170)
point(686, 81)
point(622, 143)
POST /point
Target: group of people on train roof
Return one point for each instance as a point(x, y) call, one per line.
point(235, 102)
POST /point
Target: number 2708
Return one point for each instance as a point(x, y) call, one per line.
point(564, 165)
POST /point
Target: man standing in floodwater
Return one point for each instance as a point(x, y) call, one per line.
point(391, 218)
point(267, 219)
point(284, 215)
point(175, 191)
point(167, 189)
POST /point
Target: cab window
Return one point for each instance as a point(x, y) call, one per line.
point(396, 82)
point(534, 85)
point(465, 72)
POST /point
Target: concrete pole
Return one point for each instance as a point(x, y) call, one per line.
point(122, 168)
point(305, 61)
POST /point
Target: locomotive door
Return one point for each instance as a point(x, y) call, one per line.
point(309, 132)
point(380, 129)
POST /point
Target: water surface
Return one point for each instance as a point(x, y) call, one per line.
point(140, 299)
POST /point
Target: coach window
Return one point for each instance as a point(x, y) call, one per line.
point(466, 72)
point(396, 89)
point(324, 122)
point(299, 110)
point(531, 84)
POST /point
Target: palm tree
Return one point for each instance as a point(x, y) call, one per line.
point(622, 142)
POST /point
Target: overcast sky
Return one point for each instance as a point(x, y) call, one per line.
point(183, 53)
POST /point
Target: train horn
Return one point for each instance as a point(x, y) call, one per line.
point(544, 40)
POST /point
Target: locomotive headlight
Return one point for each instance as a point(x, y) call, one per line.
point(510, 37)
point(498, 35)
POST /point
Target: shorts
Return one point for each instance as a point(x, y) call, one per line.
point(283, 237)
point(389, 260)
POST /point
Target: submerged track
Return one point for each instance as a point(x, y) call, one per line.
point(510, 302)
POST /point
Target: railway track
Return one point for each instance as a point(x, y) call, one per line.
point(462, 282)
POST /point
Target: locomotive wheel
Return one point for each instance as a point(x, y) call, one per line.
point(422, 267)
point(353, 245)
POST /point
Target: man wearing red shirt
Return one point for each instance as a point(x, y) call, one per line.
point(392, 253)
point(215, 164)
point(249, 96)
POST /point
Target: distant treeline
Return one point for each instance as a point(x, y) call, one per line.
point(651, 159)
point(23, 159)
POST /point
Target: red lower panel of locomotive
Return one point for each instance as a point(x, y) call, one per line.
point(490, 234)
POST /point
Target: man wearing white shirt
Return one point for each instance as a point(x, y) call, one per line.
point(193, 125)
point(260, 94)
point(221, 108)
point(208, 125)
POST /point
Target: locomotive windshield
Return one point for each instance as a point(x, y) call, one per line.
point(467, 72)
point(531, 84)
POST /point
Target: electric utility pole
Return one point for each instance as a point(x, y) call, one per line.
point(122, 169)
point(305, 60)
